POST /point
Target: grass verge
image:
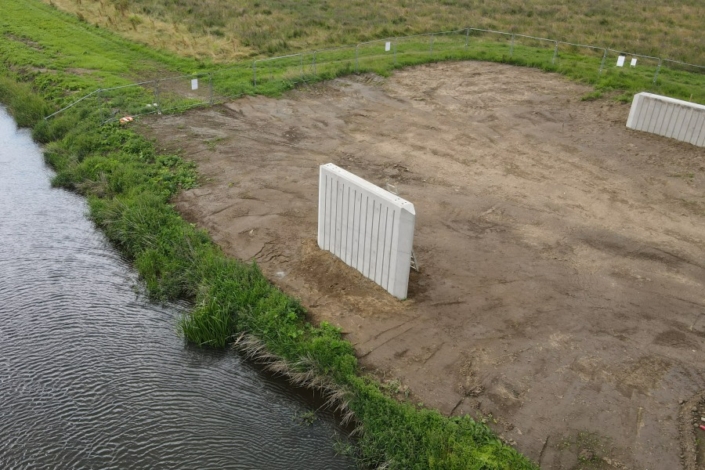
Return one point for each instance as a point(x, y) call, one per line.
point(275, 75)
point(582, 64)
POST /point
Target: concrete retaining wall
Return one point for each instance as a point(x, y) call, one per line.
point(668, 117)
point(368, 228)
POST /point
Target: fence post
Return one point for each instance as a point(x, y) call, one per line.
point(210, 82)
point(555, 54)
point(357, 64)
point(301, 59)
point(254, 74)
point(511, 48)
point(100, 104)
point(658, 68)
point(394, 45)
point(602, 64)
point(431, 46)
point(314, 63)
point(467, 37)
point(156, 97)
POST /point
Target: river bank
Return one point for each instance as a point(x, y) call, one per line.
point(93, 375)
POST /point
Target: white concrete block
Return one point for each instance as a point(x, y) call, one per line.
point(655, 117)
point(663, 124)
point(633, 112)
point(651, 114)
point(636, 113)
point(701, 138)
point(669, 117)
point(668, 125)
point(370, 229)
point(658, 120)
point(677, 114)
point(685, 128)
point(677, 123)
point(693, 126)
point(698, 128)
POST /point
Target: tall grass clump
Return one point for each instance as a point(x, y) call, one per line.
point(26, 107)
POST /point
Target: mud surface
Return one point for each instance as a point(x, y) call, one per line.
point(562, 256)
point(692, 422)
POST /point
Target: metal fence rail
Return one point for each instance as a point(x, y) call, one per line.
point(206, 89)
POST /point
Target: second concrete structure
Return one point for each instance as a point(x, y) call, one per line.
point(669, 117)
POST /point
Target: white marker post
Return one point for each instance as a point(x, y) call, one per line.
point(620, 60)
point(633, 62)
point(194, 84)
point(387, 46)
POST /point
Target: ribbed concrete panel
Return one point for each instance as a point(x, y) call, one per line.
point(370, 229)
point(699, 129)
point(685, 128)
point(669, 117)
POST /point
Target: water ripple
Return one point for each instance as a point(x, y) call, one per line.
point(93, 376)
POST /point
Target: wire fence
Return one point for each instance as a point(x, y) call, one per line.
point(586, 62)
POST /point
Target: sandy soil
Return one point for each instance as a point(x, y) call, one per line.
point(561, 294)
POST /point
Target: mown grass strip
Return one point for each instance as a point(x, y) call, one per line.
point(273, 76)
point(578, 63)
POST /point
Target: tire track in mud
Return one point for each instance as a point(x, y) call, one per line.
point(557, 248)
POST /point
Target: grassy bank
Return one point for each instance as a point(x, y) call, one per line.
point(272, 76)
point(47, 59)
point(223, 30)
point(578, 63)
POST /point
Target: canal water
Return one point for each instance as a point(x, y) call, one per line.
point(92, 375)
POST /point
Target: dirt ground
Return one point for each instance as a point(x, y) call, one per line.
point(561, 294)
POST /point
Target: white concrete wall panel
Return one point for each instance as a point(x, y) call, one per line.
point(669, 117)
point(696, 128)
point(699, 130)
point(687, 130)
point(370, 229)
point(633, 115)
point(656, 117)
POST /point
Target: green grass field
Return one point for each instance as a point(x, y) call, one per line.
point(224, 30)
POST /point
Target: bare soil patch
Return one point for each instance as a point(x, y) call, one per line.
point(561, 294)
